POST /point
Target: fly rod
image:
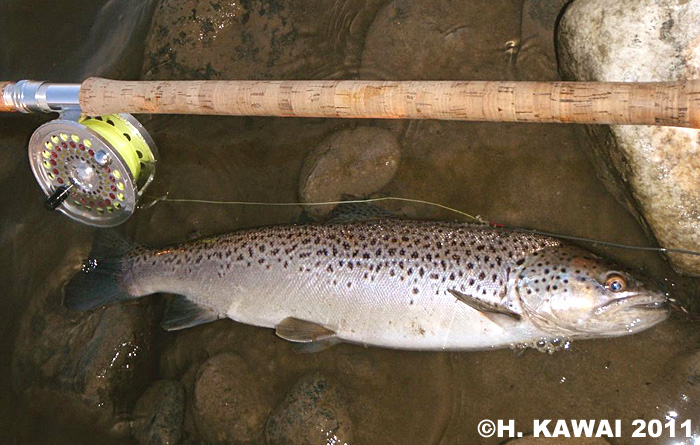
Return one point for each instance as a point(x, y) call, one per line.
point(651, 103)
point(95, 161)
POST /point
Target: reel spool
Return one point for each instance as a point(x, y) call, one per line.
point(93, 169)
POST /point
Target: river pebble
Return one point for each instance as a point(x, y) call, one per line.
point(158, 415)
point(230, 405)
point(313, 412)
point(355, 163)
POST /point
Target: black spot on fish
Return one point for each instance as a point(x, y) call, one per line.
point(482, 276)
point(415, 291)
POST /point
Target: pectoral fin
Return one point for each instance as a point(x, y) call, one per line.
point(486, 307)
point(182, 313)
point(301, 331)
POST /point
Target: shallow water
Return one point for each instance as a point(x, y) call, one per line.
point(534, 176)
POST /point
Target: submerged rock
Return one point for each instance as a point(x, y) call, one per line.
point(158, 415)
point(256, 39)
point(645, 40)
point(443, 39)
point(94, 363)
point(355, 162)
point(230, 405)
point(313, 412)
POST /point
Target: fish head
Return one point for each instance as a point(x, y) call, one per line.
point(569, 291)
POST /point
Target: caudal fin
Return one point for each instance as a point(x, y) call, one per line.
point(99, 282)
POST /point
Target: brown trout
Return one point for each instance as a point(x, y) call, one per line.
point(392, 283)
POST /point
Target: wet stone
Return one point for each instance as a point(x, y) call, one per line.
point(230, 406)
point(313, 412)
point(97, 362)
point(158, 414)
point(354, 163)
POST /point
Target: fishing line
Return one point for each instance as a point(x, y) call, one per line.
point(476, 219)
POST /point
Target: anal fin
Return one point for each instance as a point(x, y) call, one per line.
point(301, 331)
point(183, 313)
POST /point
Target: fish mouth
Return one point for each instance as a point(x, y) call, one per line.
point(643, 302)
point(652, 306)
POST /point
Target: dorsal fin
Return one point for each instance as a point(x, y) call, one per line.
point(358, 211)
point(183, 313)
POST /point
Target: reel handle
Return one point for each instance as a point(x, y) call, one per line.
point(652, 103)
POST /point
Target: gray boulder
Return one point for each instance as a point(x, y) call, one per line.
point(638, 41)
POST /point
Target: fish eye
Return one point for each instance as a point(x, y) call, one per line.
point(615, 282)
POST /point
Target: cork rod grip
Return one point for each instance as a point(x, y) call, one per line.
point(663, 103)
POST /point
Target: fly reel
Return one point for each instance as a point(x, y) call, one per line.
point(93, 169)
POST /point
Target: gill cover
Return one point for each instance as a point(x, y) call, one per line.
point(570, 289)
